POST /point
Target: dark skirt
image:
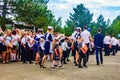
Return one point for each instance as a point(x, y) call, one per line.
point(55, 57)
point(47, 48)
point(3, 47)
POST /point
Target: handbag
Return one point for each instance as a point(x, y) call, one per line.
point(84, 48)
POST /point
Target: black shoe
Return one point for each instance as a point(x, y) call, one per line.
point(68, 60)
point(53, 68)
point(61, 66)
point(76, 64)
point(101, 62)
point(98, 64)
point(80, 67)
point(42, 66)
point(30, 62)
point(65, 63)
point(85, 66)
point(55, 65)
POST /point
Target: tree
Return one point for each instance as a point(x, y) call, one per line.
point(101, 23)
point(115, 27)
point(5, 10)
point(81, 16)
point(34, 12)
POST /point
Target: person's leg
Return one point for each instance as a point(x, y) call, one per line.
point(77, 57)
point(88, 52)
point(80, 60)
point(53, 64)
point(101, 56)
point(108, 50)
point(114, 50)
point(37, 57)
point(51, 57)
point(3, 56)
point(43, 60)
point(8, 54)
point(84, 60)
point(97, 56)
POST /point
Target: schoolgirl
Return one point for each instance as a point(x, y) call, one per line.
point(48, 45)
point(23, 48)
point(9, 45)
point(2, 47)
point(37, 39)
point(56, 53)
point(41, 50)
point(15, 48)
point(29, 47)
point(82, 55)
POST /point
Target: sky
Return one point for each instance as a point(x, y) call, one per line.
point(108, 8)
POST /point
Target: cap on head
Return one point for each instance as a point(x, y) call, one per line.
point(50, 27)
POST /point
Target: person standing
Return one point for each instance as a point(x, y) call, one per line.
point(86, 37)
point(107, 43)
point(98, 41)
point(113, 41)
point(48, 46)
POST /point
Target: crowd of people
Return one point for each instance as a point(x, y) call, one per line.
point(26, 46)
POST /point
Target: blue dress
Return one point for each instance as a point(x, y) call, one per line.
point(48, 43)
point(37, 39)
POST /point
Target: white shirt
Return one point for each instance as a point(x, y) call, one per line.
point(74, 35)
point(1, 38)
point(42, 45)
point(30, 43)
point(15, 39)
point(23, 40)
point(86, 36)
point(64, 46)
point(113, 41)
point(107, 40)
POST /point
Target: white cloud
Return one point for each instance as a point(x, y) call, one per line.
point(62, 8)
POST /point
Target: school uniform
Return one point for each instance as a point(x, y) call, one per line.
point(30, 52)
point(107, 42)
point(74, 35)
point(24, 53)
point(41, 51)
point(113, 41)
point(37, 39)
point(64, 48)
point(48, 43)
point(15, 41)
point(81, 55)
point(86, 37)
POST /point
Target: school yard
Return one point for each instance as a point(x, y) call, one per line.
point(110, 70)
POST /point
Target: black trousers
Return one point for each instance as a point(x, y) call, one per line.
point(30, 55)
point(113, 50)
point(107, 50)
point(64, 57)
point(82, 56)
point(116, 48)
point(23, 55)
point(88, 52)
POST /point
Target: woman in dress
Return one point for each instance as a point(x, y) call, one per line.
point(48, 45)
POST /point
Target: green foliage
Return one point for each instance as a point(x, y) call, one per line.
point(79, 18)
point(35, 12)
point(8, 28)
point(115, 27)
point(101, 23)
